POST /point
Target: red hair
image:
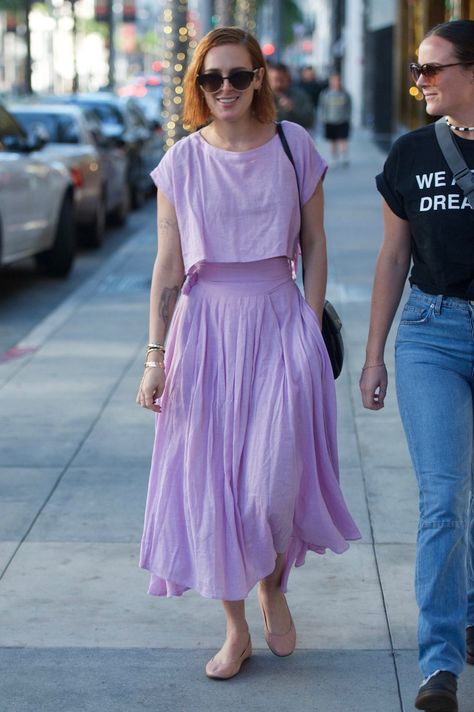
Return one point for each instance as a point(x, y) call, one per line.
point(196, 111)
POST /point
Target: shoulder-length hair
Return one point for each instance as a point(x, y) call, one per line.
point(195, 111)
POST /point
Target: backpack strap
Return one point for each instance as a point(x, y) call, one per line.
point(455, 160)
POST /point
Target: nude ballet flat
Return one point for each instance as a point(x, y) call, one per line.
point(281, 645)
point(228, 670)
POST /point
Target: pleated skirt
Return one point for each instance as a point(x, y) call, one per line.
point(245, 462)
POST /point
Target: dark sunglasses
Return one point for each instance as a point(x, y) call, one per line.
point(241, 79)
point(431, 70)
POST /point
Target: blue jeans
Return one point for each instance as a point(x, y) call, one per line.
point(435, 388)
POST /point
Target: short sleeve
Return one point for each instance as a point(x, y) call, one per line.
point(314, 170)
point(387, 182)
point(310, 165)
point(162, 175)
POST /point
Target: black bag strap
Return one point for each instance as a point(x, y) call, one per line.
point(287, 149)
point(455, 160)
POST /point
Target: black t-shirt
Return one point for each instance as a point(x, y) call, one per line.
point(418, 186)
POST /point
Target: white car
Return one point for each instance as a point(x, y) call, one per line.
point(68, 140)
point(36, 202)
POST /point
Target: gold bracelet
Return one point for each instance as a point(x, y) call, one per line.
point(156, 347)
point(373, 365)
point(154, 364)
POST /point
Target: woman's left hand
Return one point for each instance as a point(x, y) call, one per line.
point(373, 386)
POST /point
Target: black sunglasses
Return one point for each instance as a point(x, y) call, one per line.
point(241, 79)
point(431, 70)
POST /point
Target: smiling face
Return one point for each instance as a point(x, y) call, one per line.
point(229, 104)
point(451, 91)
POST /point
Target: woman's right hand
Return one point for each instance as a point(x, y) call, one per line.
point(151, 388)
point(373, 386)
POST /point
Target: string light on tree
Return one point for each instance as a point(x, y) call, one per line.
point(177, 34)
point(246, 15)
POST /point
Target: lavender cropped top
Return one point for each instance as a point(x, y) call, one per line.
point(239, 206)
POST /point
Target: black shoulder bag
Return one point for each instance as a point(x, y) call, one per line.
point(332, 324)
point(455, 160)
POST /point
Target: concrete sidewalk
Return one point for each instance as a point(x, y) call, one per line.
point(77, 631)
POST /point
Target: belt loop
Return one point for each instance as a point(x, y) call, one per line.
point(438, 302)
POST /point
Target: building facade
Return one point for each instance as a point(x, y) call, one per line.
point(376, 40)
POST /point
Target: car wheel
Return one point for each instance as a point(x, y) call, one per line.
point(94, 234)
point(119, 215)
point(58, 260)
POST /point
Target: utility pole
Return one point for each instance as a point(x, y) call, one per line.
point(28, 63)
point(75, 77)
point(111, 26)
point(278, 29)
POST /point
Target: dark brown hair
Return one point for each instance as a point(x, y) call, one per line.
point(461, 35)
point(195, 111)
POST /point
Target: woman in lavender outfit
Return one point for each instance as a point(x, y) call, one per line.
point(244, 476)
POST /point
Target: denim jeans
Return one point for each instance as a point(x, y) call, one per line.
point(435, 388)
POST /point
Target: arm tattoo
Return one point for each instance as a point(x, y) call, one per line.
point(168, 299)
point(167, 224)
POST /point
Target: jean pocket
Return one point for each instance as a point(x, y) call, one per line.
point(414, 314)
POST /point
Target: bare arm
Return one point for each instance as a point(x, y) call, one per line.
point(313, 247)
point(391, 272)
point(167, 278)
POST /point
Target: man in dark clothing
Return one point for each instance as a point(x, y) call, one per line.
point(292, 103)
point(311, 84)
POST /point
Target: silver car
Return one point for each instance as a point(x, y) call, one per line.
point(68, 139)
point(36, 202)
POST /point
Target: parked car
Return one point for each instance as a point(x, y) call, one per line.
point(99, 171)
point(154, 132)
point(68, 139)
point(147, 90)
point(120, 126)
point(36, 202)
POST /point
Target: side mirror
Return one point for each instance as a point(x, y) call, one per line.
point(37, 138)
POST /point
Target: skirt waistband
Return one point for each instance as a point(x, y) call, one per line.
point(256, 277)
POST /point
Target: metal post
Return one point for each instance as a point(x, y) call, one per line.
point(28, 63)
point(111, 26)
point(75, 75)
point(278, 29)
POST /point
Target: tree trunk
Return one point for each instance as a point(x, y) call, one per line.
point(174, 67)
point(246, 15)
point(224, 12)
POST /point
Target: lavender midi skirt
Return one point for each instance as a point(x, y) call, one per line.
point(245, 457)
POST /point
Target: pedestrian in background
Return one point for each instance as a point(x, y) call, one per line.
point(429, 221)
point(292, 103)
point(335, 112)
point(244, 476)
point(309, 83)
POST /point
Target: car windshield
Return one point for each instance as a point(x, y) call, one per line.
point(107, 113)
point(56, 128)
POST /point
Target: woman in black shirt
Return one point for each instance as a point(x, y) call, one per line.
point(430, 223)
